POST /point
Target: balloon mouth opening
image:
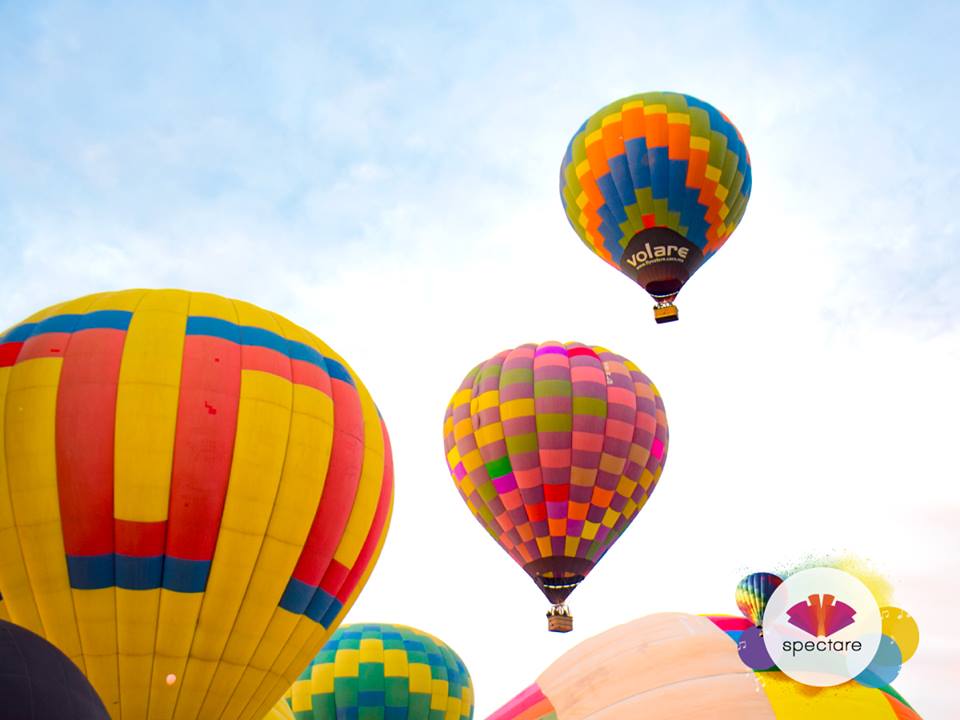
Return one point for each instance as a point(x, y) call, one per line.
point(557, 577)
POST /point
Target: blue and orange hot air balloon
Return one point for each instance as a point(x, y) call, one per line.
point(555, 448)
point(655, 184)
point(193, 490)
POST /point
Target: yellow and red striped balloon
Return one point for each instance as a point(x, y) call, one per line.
point(193, 490)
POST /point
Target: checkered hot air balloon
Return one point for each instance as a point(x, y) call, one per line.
point(555, 448)
point(654, 184)
point(193, 490)
point(377, 671)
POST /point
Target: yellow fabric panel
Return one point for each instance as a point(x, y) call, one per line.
point(260, 446)
point(221, 689)
point(368, 493)
point(177, 623)
point(291, 656)
point(246, 686)
point(394, 663)
point(440, 690)
point(301, 697)
point(276, 636)
point(792, 701)
point(207, 305)
point(136, 630)
point(196, 680)
point(30, 444)
point(280, 711)
point(371, 650)
point(308, 637)
point(14, 581)
point(420, 680)
point(305, 467)
point(148, 393)
point(243, 641)
point(322, 679)
point(97, 622)
point(126, 300)
point(347, 663)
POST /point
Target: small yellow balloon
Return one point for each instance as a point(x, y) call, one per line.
point(900, 627)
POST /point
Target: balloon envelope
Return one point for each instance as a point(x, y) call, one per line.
point(190, 486)
point(655, 184)
point(753, 593)
point(377, 670)
point(555, 448)
point(684, 667)
point(38, 682)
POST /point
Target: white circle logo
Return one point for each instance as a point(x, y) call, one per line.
point(822, 627)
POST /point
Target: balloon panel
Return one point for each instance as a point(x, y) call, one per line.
point(192, 486)
point(555, 448)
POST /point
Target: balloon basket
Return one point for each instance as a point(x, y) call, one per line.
point(559, 619)
point(665, 313)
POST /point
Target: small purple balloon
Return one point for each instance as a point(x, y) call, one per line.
point(753, 652)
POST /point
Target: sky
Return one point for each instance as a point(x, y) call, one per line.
point(386, 176)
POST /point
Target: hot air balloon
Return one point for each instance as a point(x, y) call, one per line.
point(555, 448)
point(654, 184)
point(684, 667)
point(193, 490)
point(384, 671)
point(38, 682)
point(753, 593)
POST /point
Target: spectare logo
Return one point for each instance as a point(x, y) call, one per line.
point(815, 637)
point(821, 615)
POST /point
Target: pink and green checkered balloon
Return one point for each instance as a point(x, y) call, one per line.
point(555, 448)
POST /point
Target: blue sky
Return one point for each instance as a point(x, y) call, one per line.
point(387, 177)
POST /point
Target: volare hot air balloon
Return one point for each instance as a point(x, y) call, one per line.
point(655, 184)
point(753, 593)
point(555, 448)
point(674, 666)
point(38, 682)
point(193, 490)
point(391, 672)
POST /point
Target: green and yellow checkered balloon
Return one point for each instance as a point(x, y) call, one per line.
point(383, 672)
